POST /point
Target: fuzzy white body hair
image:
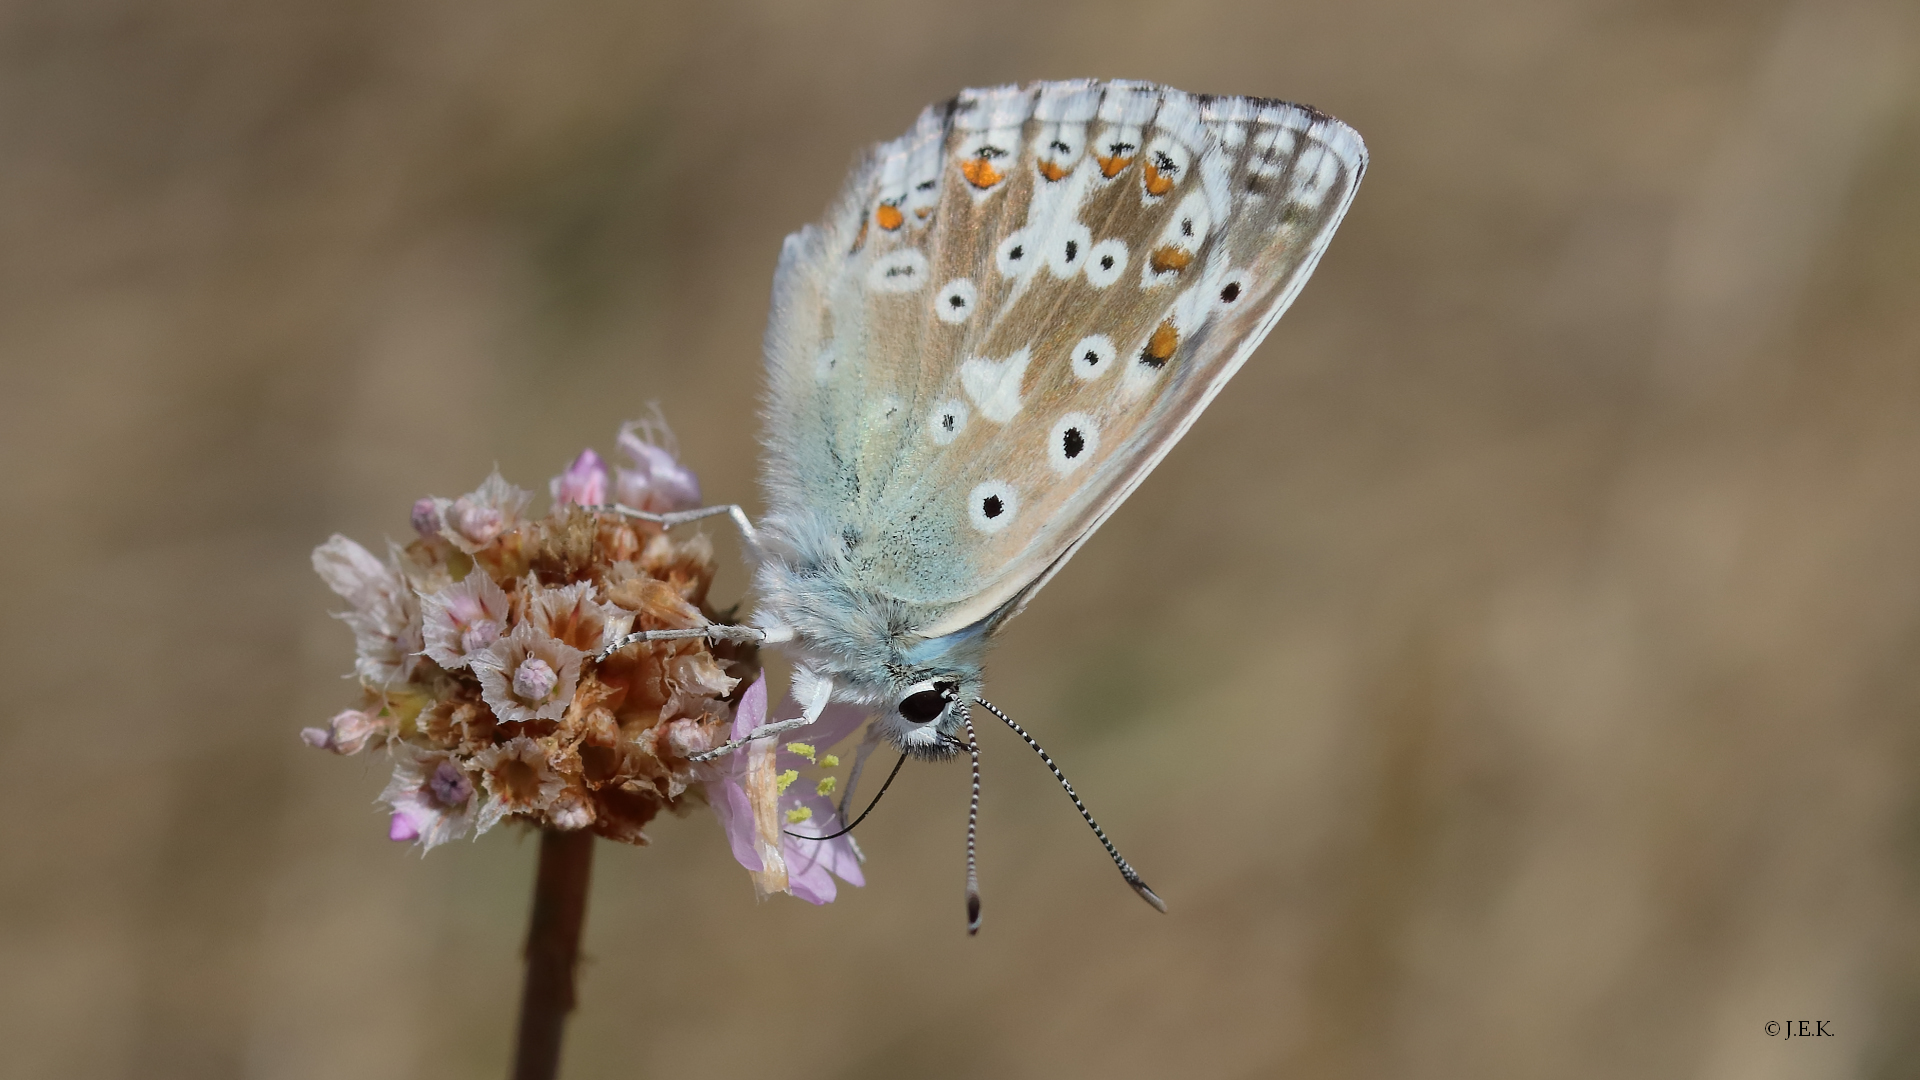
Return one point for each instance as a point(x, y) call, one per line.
point(863, 641)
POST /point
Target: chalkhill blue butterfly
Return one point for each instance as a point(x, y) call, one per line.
point(1005, 321)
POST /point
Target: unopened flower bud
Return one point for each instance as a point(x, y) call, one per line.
point(534, 679)
point(349, 732)
point(479, 634)
point(687, 738)
point(426, 518)
point(569, 811)
point(477, 522)
point(449, 785)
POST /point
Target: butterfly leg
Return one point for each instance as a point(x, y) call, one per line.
point(711, 632)
point(681, 517)
point(812, 689)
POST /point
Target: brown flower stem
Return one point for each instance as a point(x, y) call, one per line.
point(553, 950)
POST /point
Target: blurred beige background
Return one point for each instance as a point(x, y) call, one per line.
point(1513, 675)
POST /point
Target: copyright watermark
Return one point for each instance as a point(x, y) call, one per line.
point(1800, 1029)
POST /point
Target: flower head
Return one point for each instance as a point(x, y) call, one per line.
point(478, 518)
point(519, 780)
point(571, 615)
point(763, 798)
point(385, 616)
point(349, 732)
point(480, 670)
point(584, 483)
point(463, 619)
point(432, 797)
point(657, 483)
point(528, 675)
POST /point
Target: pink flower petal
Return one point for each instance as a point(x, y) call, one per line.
point(730, 805)
point(402, 828)
point(753, 708)
point(584, 483)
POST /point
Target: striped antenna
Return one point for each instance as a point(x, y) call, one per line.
point(973, 830)
point(1126, 869)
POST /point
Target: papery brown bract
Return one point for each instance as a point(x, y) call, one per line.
point(448, 621)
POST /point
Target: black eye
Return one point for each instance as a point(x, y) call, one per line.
point(927, 705)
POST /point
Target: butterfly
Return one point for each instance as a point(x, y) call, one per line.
point(1005, 321)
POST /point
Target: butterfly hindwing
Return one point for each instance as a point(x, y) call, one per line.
point(1016, 310)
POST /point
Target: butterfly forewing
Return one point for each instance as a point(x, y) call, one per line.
point(1019, 307)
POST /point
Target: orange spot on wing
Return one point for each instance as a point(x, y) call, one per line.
point(860, 238)
point(889, 217)
point(1161, 345)
point(981, 173)
point(1170, 259)
point(1110, 166)
point(1053, 171)
point(923, 212)
point(1157, 184)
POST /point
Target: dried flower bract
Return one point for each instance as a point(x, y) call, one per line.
point(481, 674)
point(478, 658)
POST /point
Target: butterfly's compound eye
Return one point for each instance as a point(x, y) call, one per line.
point(923, 707)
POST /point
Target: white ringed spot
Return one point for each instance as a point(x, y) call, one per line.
point(902, 271)
point(956, 301)
point(1072, 443)
point(992, 506)
point(1017, 255)
point(1105, 262)
point(949, 419)
point(1093, 356)
point(1070, 248)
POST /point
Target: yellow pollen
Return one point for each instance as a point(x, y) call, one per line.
point(826, 786)
point(785, 780)
point(828, 761)
point(805, 750)
point(799, 814)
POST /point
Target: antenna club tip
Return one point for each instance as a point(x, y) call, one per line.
point(1149, 896)
point(973, 915)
